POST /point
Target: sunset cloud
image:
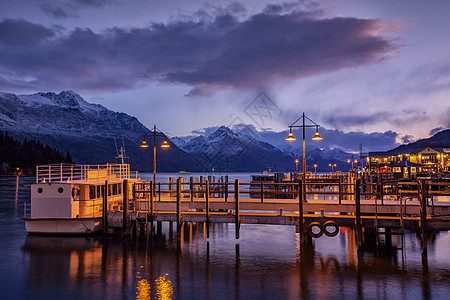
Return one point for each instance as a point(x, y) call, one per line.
point(206, 54)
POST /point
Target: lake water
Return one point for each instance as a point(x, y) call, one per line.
point(265, 263)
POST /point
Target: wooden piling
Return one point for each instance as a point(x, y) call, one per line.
point(207, 209)
point(423, 212)
point(151, 208)
point(125, 208)
point(105, 209)
point(236, 208)
point(226, 188)
point(300, 211)
point(358, 212)
point(262, 192)
point(191, 187)
point(340, 189)
point(178, 204)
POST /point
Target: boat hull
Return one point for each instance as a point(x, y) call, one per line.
point(63, 226)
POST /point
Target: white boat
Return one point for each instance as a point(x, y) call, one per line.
point(68, 199)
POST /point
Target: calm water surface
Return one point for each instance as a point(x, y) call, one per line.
point(265, 263)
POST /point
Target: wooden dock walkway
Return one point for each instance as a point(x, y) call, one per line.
point(421, 205)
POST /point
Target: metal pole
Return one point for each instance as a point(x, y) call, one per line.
point(154, 158)
point(304, 155)
point(236, 207)
point(207, 209)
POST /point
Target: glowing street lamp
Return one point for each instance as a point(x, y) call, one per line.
point(352, 161)
point(316, 137)
point(315, 170)
point(332, 167)
point(164, 145)
point(296, 165)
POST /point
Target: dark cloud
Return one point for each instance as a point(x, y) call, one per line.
point(94, 3)
point(436, 130)
point(18, 33)
point(408, 139)
point(62, 9)
point(222, 52)
point(54, 11)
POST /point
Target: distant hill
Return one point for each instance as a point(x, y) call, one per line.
point(439, 140)
point(22, 157)
point(69, 123)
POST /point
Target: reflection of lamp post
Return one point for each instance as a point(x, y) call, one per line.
point(296, 165)
point(315, 169)
point(316, 137)
point(164, 145)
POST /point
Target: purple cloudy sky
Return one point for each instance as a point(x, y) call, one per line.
point(360, 69)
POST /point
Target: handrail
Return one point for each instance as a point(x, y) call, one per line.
point(74, 173)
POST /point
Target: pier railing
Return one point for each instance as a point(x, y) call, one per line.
point(422, 205)
point(77, 173)
point(332, 191)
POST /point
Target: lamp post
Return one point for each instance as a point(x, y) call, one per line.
point(315, 170)
point(332, 167)
point(296, 165)
point(352, 161)
point(164, 145)
point(316, 137)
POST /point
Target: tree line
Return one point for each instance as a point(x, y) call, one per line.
point(23, 157)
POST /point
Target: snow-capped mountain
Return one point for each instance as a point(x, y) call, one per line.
point(64, 114)
point(69, 123)
point(227, 150)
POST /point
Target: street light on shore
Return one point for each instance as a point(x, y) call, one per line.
point(316, 137)
point(296, 165)
point(352, 161)
point(332, 167)
point(164, 145)
point(315, 170)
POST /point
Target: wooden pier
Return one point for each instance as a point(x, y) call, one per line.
point(376, 208)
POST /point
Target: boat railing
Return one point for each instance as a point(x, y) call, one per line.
point(77, 173)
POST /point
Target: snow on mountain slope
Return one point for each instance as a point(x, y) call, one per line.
point(64, 114)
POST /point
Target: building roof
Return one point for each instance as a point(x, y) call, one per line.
point(406, 164)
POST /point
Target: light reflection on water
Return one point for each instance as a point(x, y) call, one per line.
point(267, 262)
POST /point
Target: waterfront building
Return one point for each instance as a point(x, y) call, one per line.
point(426, 160)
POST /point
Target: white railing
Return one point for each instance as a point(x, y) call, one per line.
point(72, 173)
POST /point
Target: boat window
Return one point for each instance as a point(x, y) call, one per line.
point(99, 193)
point(91, 192)
point(103, 191)
point(114, 189)
point(60, 190)
point(39, 190)
point(76, 193)
point(119, 190)
point(109, 189)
